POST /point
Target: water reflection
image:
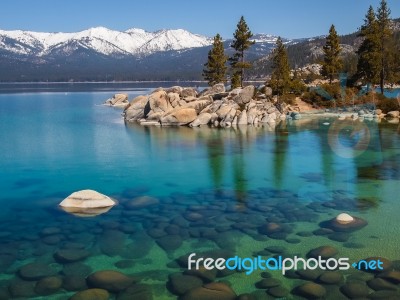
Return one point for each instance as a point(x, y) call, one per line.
point(297, 154)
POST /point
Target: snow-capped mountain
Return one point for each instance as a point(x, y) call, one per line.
point(102, 40)
point(103, 54)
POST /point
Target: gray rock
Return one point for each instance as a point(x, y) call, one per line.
point(267, 91)
point(188, 92)
point(136, 110)
point(215, 89)
point(245, 95)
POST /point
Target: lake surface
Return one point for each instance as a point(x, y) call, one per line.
point(216, 189)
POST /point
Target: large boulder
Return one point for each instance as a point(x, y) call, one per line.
point(242, 119)
point(159, 100)
point(174, 99)
point(136, 109)
point(215, 89)
point(179, 116)
point(87, 203)
point(188, 92)
point(245, 95)
point(118, 100)
point(202, 119)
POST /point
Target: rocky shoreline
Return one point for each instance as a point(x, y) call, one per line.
point(214, 106)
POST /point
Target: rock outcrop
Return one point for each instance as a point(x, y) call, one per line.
point(214, 106)
point(118, 100)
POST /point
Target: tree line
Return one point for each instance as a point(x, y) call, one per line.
point(377, 58)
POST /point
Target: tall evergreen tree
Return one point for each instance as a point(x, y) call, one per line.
point(215, 67)
point(241, 42)
point(332, 61)
point(368, 66)
point(280, 78)
point(385, 34)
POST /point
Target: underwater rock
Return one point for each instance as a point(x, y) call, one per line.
point(278, 292)
point(267, 283)
point(87, 203)
point(70, 255)
point(378, 284)
point(354, 225)
point(323, 251)
point(36, 271)
point(90, 294)
point(179, 284)
point(309, 274)
point(330, 277)
point(393, 276)
point(170, 242)
point(310, 290)
point(211, 291)
point(22, 289)
point(355, 290)
point(109, 280)
point(112, 242)
point(339, 236)
point(137, 291)
point(141, 202)
point(74, 283)
point(384, 295)
point(48, 285)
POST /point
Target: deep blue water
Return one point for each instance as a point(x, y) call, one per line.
point(295, 173)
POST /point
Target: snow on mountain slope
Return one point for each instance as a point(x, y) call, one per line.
point(102, 40)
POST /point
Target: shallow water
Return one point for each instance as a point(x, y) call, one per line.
point(216, 189)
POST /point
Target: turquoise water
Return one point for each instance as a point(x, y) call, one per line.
point(216, 188)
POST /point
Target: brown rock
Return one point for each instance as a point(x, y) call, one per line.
point(91, 294)
point(311, 290)
point(211, 291)
point(109, 280)
point(48, 285)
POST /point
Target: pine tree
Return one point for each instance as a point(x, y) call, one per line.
point(385, 34)
point(368, 65)
point(332, 61)
point(280, 78)
point(215, 68)
point(241, 42)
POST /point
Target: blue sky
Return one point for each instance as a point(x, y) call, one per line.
point(288, 18)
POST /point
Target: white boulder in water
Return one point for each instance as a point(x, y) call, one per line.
point(87, 203)
point(344, 218)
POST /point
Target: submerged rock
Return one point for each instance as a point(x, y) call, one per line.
point(344, 223)
point(323, 251)
point(48, 285)
point(355, 290)
point(90, 294)
point(311, 290)
point(141, 202)
point(36, 271)
point(109, 280)
point(87, 203)
point(211, 291)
